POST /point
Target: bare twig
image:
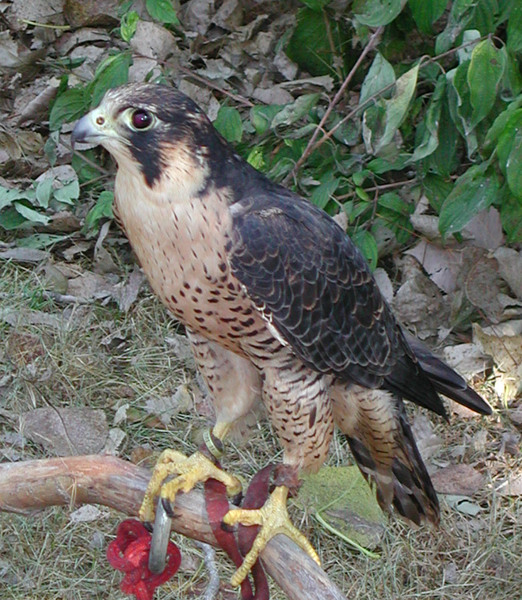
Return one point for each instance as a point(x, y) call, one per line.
point(320, 128)
point(106, 480)
point(189, 74)
point(314, 145)
point(209, 556)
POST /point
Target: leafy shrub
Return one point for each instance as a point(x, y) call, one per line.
point(438, 113)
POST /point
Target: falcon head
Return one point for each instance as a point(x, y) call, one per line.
point(158, 132)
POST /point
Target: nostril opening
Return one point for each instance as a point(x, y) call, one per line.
point(100, 120)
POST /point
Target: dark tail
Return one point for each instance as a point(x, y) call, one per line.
point(380, 436)
point(404, 483)
point(382, 443)
point(445, 380)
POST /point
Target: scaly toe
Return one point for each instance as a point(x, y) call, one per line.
point(273, 519)
point(188, 471)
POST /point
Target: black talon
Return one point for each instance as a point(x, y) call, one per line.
point(226, 527)
point(148, 526)
point(167, 505)
point(237, 499)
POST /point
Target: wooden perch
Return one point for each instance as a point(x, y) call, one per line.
point(71, 481)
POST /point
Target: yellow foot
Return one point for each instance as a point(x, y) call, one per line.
point(273, 518)
point(189, 471)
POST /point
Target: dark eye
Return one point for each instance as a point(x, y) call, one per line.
point(141, 119)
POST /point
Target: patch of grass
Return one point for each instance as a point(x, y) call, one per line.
point(101, 358)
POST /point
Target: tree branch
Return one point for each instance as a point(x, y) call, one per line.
point(110, 481)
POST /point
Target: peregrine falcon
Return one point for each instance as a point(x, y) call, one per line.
point(279, 305)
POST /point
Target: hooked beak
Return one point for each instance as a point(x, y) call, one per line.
point(92, 128)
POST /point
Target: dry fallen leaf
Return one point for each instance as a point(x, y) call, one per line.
point(89, 286)
point(24, 255)
point(127, 293)
point(460, 480)
point(419, 302)
point(67, 431)
point(485, 229)
point(428, 442)
point(87, 514)
point(482, 283)
point(512, 486)
point(442, 264)
point(503, 342)
point(167, 407)
point(32, 317)
point(24, 348)
point(467, 359)
point(515, 414)
point(510, 268)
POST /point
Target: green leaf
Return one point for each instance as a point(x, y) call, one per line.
point(393, 202)
point(41, 240)
point(261, 116)
point(430, 138)
point(128, 25)
point(323, 193)
point(484, 74)
point(44, 192)
point(511, 218)
point(316, 4)
point(11, 219)
point(426, 12)
point(359, 177)
point(68, 193)
point(374, 13)
point(366, 243)
point(256, 158)
point(311, 43)
point(514, 28)
point(373, 119)
point(474, 191)
point(505, 122)
point(162, 11)
point(379, 77)
point(8, 196)
point(69, 106)
point(50, 147)
point(511, 85)
point(466, 50)
point(443, 160)
point(394, 213)
point(31, 214)
point(460, 105)
point(342, 502)
point(460, 14)
point(295, 134)
point(485, 17)
point(295, 111)
point(347, 132)
point(511, 127)
point(362, 194)
point(382, 165)
point(110, 73)
point(101, 210)
point(86, 171)
point(514, 166)
point(397, 106)
point(229, 124)
point(437, 189)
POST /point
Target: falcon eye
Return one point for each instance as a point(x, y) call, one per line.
point(141, 119)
